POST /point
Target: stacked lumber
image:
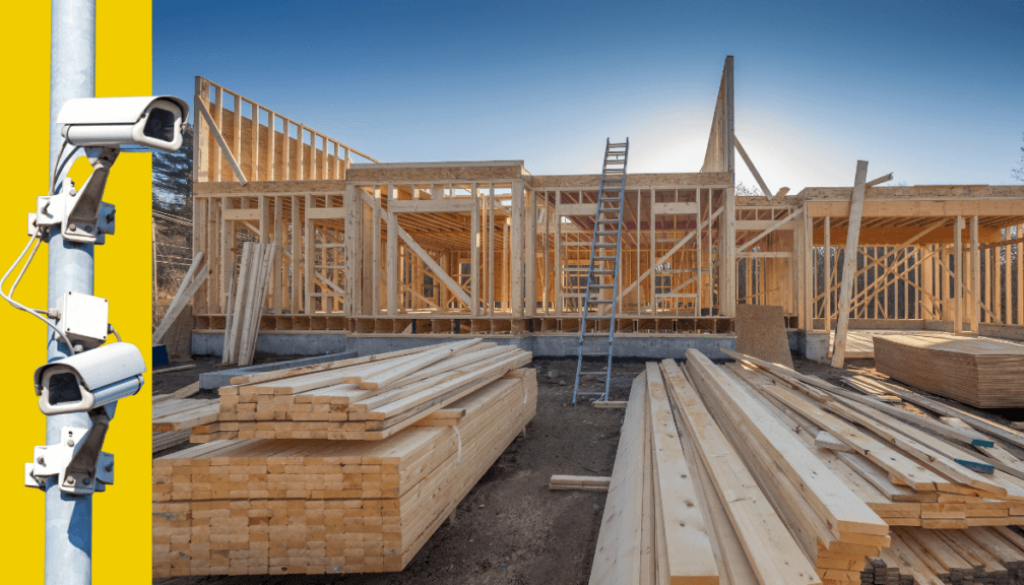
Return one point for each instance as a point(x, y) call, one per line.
point(183, 414)
point(780, 477)
point(984, 373)
point(246, 297)
point(369, 398)
point(318, 506)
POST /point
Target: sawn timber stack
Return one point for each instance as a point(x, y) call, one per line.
point(319, 506)
point(367, 398)
point(754, 473)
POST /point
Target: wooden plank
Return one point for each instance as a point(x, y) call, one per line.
point(422, 254)
point(618, 554)
point(188, 287)
point(849, 263)
point(773, 553)
point(690, 559)
point(829, 496)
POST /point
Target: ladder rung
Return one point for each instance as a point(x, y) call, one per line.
point(599, 234)
point(602, 301)
point(605, 245)
point(599, 285)
point(590, 374)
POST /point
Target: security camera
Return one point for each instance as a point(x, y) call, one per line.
point(149, 122)
point(90, 379)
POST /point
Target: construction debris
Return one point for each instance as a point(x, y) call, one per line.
point(751, 472)
point(586, 483)
point(320, 506)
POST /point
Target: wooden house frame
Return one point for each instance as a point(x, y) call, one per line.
point(486, 247)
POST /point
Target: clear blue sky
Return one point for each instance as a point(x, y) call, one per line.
point(933, 91)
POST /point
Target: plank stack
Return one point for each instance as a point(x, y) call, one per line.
point(754, 473)
point(270, 506)
point(367, 398)
point(984, 373)
point(246, 296)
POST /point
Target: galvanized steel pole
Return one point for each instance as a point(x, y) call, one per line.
point(72, 75)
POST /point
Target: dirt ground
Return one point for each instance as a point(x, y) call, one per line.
point(511, 529)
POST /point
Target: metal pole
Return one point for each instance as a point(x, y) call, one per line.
point(72, 75)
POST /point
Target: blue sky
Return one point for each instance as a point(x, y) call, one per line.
point(932, 91)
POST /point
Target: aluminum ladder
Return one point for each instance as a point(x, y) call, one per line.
point(603, 273)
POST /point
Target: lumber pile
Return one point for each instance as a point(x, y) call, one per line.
point(183, 414)
point(246, 296)
point(752, 472)
point(984, 373)
point(369, 398)
point(318, 506)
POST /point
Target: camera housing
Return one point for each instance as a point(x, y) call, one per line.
point(90, 379)
point(146, 121)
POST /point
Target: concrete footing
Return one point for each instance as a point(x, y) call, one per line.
point(627, 346)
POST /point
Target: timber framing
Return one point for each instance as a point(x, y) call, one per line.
point(485, 247)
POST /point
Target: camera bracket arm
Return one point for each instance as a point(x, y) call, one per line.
point(82, 215)
point(78, 461)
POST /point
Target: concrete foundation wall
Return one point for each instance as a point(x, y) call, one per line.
point(627, 346)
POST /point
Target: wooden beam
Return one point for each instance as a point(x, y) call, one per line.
point(437, 270)
point(222, 143)
point(474, 252)
point(975, 276)
point(750, 165)
point(849, 264)
point(186, 290)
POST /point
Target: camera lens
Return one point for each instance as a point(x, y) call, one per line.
point(160, 125)
point(64, 388)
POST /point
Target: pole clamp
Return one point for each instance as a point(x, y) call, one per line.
point(81, 468)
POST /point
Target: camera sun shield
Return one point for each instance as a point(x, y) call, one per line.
point(90, 379)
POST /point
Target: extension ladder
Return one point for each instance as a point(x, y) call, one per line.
point(603, 273)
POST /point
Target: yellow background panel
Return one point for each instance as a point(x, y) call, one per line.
point(122, 551)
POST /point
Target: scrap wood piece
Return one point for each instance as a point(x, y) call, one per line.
point(589, 483)
point(180, 368)
point(186, 290)
point(761, 333)
point(690, 558)
point(610, 403)
point(826, 441)
point(618, 557)
point(773, 553)
point(849, 263)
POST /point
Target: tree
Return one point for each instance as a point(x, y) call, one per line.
point(744, 191)
point(172, 176)
point(1018, 173)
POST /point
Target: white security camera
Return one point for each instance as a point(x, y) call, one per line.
point(90, 379)
point(148, 121)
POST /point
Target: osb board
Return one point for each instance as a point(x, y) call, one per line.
point(427, 172)
point(761, 333)
point(916, 192)
point(179, 338)
point(632, 180)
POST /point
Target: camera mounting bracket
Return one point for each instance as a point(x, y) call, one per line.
point(80, 465)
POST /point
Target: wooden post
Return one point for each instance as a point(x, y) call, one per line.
point(975, 298)
point(517, 267)
point(958, 276)
point(353, 235)
point(849, 263)
point(375, 266)
point(828, 274)
point(391, 269)
point(808, 272)
point(474, 253)
point(491, 300)
point(309, 259)
point(727, 243)
point(296, 250)
point(530, 249)
point(558, 253)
